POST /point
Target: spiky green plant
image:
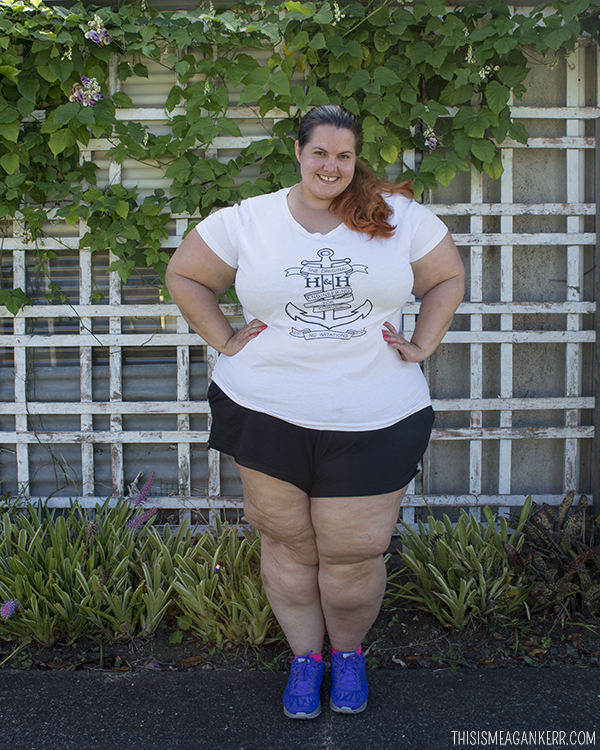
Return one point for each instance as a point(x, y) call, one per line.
point(220, 590)
point(460, 573)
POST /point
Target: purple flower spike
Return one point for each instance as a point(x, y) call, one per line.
point(93, 35)
point(9, 608)
point(431, 143)
point(143, 493)
point(135, 523)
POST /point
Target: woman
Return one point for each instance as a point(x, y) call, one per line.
point(319, 398)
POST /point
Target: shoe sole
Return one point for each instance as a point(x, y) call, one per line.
point(301, 714)
point(346, 709)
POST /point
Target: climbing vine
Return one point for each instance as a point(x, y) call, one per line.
point(419, 75)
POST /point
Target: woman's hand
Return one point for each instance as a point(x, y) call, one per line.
point(408, 351)
point(240, 338)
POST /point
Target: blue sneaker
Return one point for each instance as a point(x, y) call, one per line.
point(301, 698)
point(349, 689)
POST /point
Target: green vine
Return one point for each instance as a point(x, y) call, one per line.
point(400, 66)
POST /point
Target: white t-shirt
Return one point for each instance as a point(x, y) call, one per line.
point(322, 362)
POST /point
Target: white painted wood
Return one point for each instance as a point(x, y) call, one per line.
point(408, 504)
point(575, 181)
point(85, 369)
point(476, 349)
point(20, 374)
point(183, 419)
point(506, 324)
point(35, 408)
point(504, 245)
point(473, 238)
point(181, 339)
point(171, 310)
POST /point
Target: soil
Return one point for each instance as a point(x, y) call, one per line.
point(400, 639)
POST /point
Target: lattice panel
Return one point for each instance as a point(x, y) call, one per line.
point(496, 424)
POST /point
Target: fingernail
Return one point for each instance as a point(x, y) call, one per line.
point(263, 328)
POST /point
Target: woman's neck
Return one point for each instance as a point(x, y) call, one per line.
point(313, 215)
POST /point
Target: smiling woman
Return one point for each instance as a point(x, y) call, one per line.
point(326, 165)
point(319, 399)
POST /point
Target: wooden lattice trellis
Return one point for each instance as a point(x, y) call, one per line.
point(573, 336)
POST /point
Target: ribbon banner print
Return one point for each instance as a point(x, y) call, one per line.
point(329, 299)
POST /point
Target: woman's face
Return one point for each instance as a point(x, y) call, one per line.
point(327, 162)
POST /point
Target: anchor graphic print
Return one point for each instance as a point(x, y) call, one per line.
point(329, 298)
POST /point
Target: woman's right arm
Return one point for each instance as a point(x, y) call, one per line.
point(195, 277)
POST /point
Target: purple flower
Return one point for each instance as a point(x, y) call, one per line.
point(431, 143)
point(9, 608)
point(140, 498)
point(135, 523)
point(87, 95)
point(99, 36)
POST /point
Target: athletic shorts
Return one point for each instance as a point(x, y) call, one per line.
point(322, 463)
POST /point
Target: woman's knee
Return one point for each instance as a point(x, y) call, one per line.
point(336, 549)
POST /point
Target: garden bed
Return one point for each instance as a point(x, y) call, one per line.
point(400, 639)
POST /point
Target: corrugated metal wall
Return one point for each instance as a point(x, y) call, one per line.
point(93, 394)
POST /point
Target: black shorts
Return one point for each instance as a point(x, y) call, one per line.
point(322, 463)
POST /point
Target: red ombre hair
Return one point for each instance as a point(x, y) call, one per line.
point(361, 206)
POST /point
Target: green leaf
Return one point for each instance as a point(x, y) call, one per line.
point(453, 94)
point(122, 209)
point(280, 83)
point(121, 99)
point(292, 5)
point(497, 96)
point(8, 113)
point(10, 163)
point(512, 75)
point(140, 70)
point(518, 132)
point(383, 40)
point(251, 93)
point(385, 76)
point(257, 76)
point(13, 300)
point(381, 17)
point(10, 72)
point(389, 153)
point(28, 88)
point(10, 131)
point(229, 127)
point(173, 98)
point(494, 168)
point(61, 140)
point(475, 129)
point(66, 112)
point(483, 150)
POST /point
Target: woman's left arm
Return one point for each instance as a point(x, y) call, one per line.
point(440, 283)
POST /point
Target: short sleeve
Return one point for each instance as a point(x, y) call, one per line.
point(220, 231)
point(427, 231)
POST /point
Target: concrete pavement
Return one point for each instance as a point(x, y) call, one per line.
point(212, 710)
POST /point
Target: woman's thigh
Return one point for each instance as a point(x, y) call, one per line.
point(352, 529)
point(280, 511)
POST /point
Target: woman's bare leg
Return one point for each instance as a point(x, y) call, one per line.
point(289, 560)
point(352, 535)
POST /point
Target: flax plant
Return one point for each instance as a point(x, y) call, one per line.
point(460, 573)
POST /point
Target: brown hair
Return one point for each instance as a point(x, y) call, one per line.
point(361, 206)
